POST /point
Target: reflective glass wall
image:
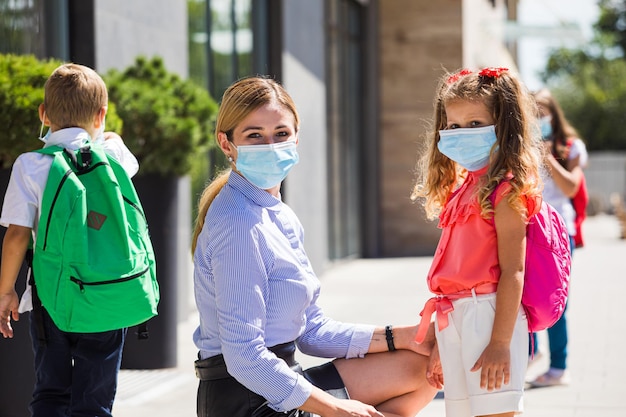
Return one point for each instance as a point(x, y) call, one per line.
point(346, 141)
point(228, 40)
point(38, 27)
point(21, 27)
point(220, 42)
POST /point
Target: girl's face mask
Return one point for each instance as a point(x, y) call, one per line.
point(468, 147)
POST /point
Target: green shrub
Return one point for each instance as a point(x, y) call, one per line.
point(22, 79)
point(168, 121)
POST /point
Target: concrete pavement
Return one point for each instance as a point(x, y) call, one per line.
point(383, 291)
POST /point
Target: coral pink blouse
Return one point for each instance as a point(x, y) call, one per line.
point(466, 258)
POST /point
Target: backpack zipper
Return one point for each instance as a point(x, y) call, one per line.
point(135, 206)
point(54, 200)
point(82, 284)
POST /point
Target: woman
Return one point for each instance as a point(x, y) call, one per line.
point(257, 293)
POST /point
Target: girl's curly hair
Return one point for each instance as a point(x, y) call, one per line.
point(516, 156)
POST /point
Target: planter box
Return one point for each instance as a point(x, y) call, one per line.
point(166, 202)
point(17, 378)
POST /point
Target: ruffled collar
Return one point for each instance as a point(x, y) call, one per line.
point(462, 204)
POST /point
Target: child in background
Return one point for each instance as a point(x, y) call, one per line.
point(484, 148)
point(565, 158)
point(76, 373)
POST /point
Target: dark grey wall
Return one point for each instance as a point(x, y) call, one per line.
point(303, 77)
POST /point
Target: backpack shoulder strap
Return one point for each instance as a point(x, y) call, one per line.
point(49, 150)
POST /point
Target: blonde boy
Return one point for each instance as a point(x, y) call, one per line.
point(76, 373)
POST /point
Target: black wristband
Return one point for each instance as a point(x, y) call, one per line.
point(389, 337)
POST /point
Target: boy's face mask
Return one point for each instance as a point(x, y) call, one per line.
point(100, 135)
point(44, 139)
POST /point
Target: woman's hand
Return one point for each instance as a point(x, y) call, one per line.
point(324, 404)
point(426, 347)
point(353, 408)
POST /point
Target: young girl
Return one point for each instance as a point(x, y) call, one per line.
point(481, 176)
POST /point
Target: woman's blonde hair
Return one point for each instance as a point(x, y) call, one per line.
point(517, 154)
point(239, 100)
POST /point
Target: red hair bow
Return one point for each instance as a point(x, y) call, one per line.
point(492, 72)
point(455, 77)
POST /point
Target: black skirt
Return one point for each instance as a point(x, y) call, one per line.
point(220, 395)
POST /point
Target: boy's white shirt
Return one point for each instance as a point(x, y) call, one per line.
point(28, 181)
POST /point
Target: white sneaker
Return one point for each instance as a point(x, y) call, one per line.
point(536, 358)
point(553, 377)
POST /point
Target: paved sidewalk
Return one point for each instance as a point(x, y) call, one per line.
point(383, 291)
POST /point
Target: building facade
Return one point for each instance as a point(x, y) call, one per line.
point(363, 74)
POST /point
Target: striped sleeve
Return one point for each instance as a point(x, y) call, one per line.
point(240, 262)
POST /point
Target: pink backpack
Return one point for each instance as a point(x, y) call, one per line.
point(547, 270)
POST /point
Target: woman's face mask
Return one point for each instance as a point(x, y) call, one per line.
point(468, 147)
point(266, 165)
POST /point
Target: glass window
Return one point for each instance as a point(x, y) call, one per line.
point(221, 49)
point(345, 115)
point(231, 41)
point(220, 42)
point(20, 27)
point(198, 51)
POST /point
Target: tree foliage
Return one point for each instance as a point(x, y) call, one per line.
point(168, 121)
point(612, 22)
point(590, 82)
point(22, 79)
point(21, 91)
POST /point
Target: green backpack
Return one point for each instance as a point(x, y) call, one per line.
point(93, 263)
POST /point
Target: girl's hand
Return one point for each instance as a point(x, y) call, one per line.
point(495, 366)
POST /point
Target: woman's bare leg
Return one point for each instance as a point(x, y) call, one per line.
point(394, 382)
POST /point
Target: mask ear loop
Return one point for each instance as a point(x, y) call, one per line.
point(41, 137)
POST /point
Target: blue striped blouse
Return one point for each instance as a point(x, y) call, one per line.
point(255, 288)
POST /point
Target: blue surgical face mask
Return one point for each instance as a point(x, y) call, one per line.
point(266, 165)
point(545, 123)
point(100, 134)
point(470, 147)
